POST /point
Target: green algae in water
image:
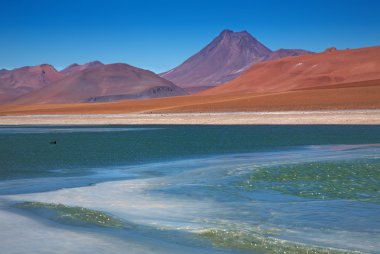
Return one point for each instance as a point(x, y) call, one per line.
point(256, 243)
point(258, 239)
point(72, 215)
point(350, 180)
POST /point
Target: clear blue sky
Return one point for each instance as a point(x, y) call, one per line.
point(159, 35)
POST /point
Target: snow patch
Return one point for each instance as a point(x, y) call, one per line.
point(168, 72)
point(240, 70)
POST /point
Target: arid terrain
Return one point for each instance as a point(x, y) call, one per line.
point(362, 95)
point(280, 81)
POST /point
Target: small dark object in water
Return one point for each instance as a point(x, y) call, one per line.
point(53, 142)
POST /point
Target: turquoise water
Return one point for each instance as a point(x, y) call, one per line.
point(190, 189)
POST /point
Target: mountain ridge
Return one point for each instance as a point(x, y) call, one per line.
point(73, 68)
point(305, 72)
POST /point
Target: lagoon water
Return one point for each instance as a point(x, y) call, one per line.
point(190, 189)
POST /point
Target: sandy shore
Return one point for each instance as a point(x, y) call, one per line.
point(289, 117)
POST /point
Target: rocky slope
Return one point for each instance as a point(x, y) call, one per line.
point(305, 72)
point(20, 81)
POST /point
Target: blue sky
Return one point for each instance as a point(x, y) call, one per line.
point(158, 35)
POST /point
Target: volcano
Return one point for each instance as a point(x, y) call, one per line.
point(224, 59)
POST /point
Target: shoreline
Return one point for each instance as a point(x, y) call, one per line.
point(228, 118)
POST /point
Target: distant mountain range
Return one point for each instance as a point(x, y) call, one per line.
point(233, 63)
point(103, 83)
point(224, 59)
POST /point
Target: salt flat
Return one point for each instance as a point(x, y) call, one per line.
point(239, 118)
